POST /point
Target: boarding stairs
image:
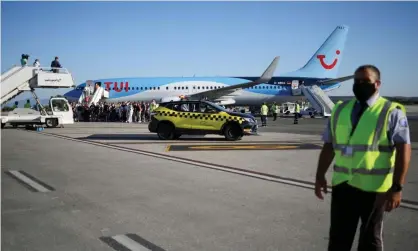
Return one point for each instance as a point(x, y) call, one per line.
point(318, 99)
point(26, 78)
point(98, 94)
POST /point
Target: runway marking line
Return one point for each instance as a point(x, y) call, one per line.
point(268, 146)
point(29, 181)
point(129, 242)
point(244, 172)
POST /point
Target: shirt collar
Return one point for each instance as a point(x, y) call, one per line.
point(372, 100)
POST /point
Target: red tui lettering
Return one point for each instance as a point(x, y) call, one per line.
point(121, 86)
point(108, 85)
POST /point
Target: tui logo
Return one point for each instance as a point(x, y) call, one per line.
point(325, 65)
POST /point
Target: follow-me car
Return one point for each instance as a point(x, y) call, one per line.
point(173, 119)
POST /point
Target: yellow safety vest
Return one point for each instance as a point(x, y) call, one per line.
point(264, 110)
point(27, 105)
point(367, 159)
point(152, 107)
point(297, 108)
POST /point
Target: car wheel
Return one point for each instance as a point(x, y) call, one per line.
point(233, 132)
point(165, 131)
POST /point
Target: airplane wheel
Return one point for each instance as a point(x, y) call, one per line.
point(165, 131)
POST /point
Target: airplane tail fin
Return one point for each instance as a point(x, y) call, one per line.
point(327, 59)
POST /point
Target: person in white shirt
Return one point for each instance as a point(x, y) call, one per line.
point(36, 63)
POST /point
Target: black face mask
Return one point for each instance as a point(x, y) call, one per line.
point(363, 91)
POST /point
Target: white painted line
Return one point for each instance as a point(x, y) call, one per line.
point(409, 205)
point(29, 181)
point(129, 243)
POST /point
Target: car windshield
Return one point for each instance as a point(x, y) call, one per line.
point(217, 106)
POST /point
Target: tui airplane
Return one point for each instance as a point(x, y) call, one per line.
point(320, 70)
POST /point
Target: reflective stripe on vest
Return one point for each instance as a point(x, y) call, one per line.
point(370, 167)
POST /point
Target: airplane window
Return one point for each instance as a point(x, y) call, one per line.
point(141, 88)
point(211, 87)
point(187, 87)
point(158, 88)
point(194, 87)
point(175, 88)
point(166, 88)
point(182, 87)
point(198, 87)
point(153, 88)
point(146, 88)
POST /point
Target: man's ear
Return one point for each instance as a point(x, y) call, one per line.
point(378, 83)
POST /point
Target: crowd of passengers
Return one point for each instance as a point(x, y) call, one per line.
point(127, 112)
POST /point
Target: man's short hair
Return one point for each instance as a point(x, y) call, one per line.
point(369, 67)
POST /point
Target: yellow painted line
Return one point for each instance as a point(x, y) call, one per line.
point(167, 148)
point(243, 147)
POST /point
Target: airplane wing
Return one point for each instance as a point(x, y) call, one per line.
point(335, 80)
point(216, 93)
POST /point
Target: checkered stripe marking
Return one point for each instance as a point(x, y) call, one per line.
point(205, 116)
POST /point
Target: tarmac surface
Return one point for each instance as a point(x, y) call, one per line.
point(115, 186)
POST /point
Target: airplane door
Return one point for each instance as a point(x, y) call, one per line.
point(295, 88)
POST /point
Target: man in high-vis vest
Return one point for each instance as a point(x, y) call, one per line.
point(369, 138)
point(27, 105)
point(264, 111)
point(297, 113)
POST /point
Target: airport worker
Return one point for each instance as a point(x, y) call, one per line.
point(153, 105)
point(27, 105)
point(15, 105)
point(274, 110)
point(264, 112)
point(370, 140)
point(297, 112)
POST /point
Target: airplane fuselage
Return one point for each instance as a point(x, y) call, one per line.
point(278, 89)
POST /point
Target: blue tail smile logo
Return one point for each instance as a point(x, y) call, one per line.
point(325, 65)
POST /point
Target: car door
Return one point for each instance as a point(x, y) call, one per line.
point(182, 118)
point(205, 119)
